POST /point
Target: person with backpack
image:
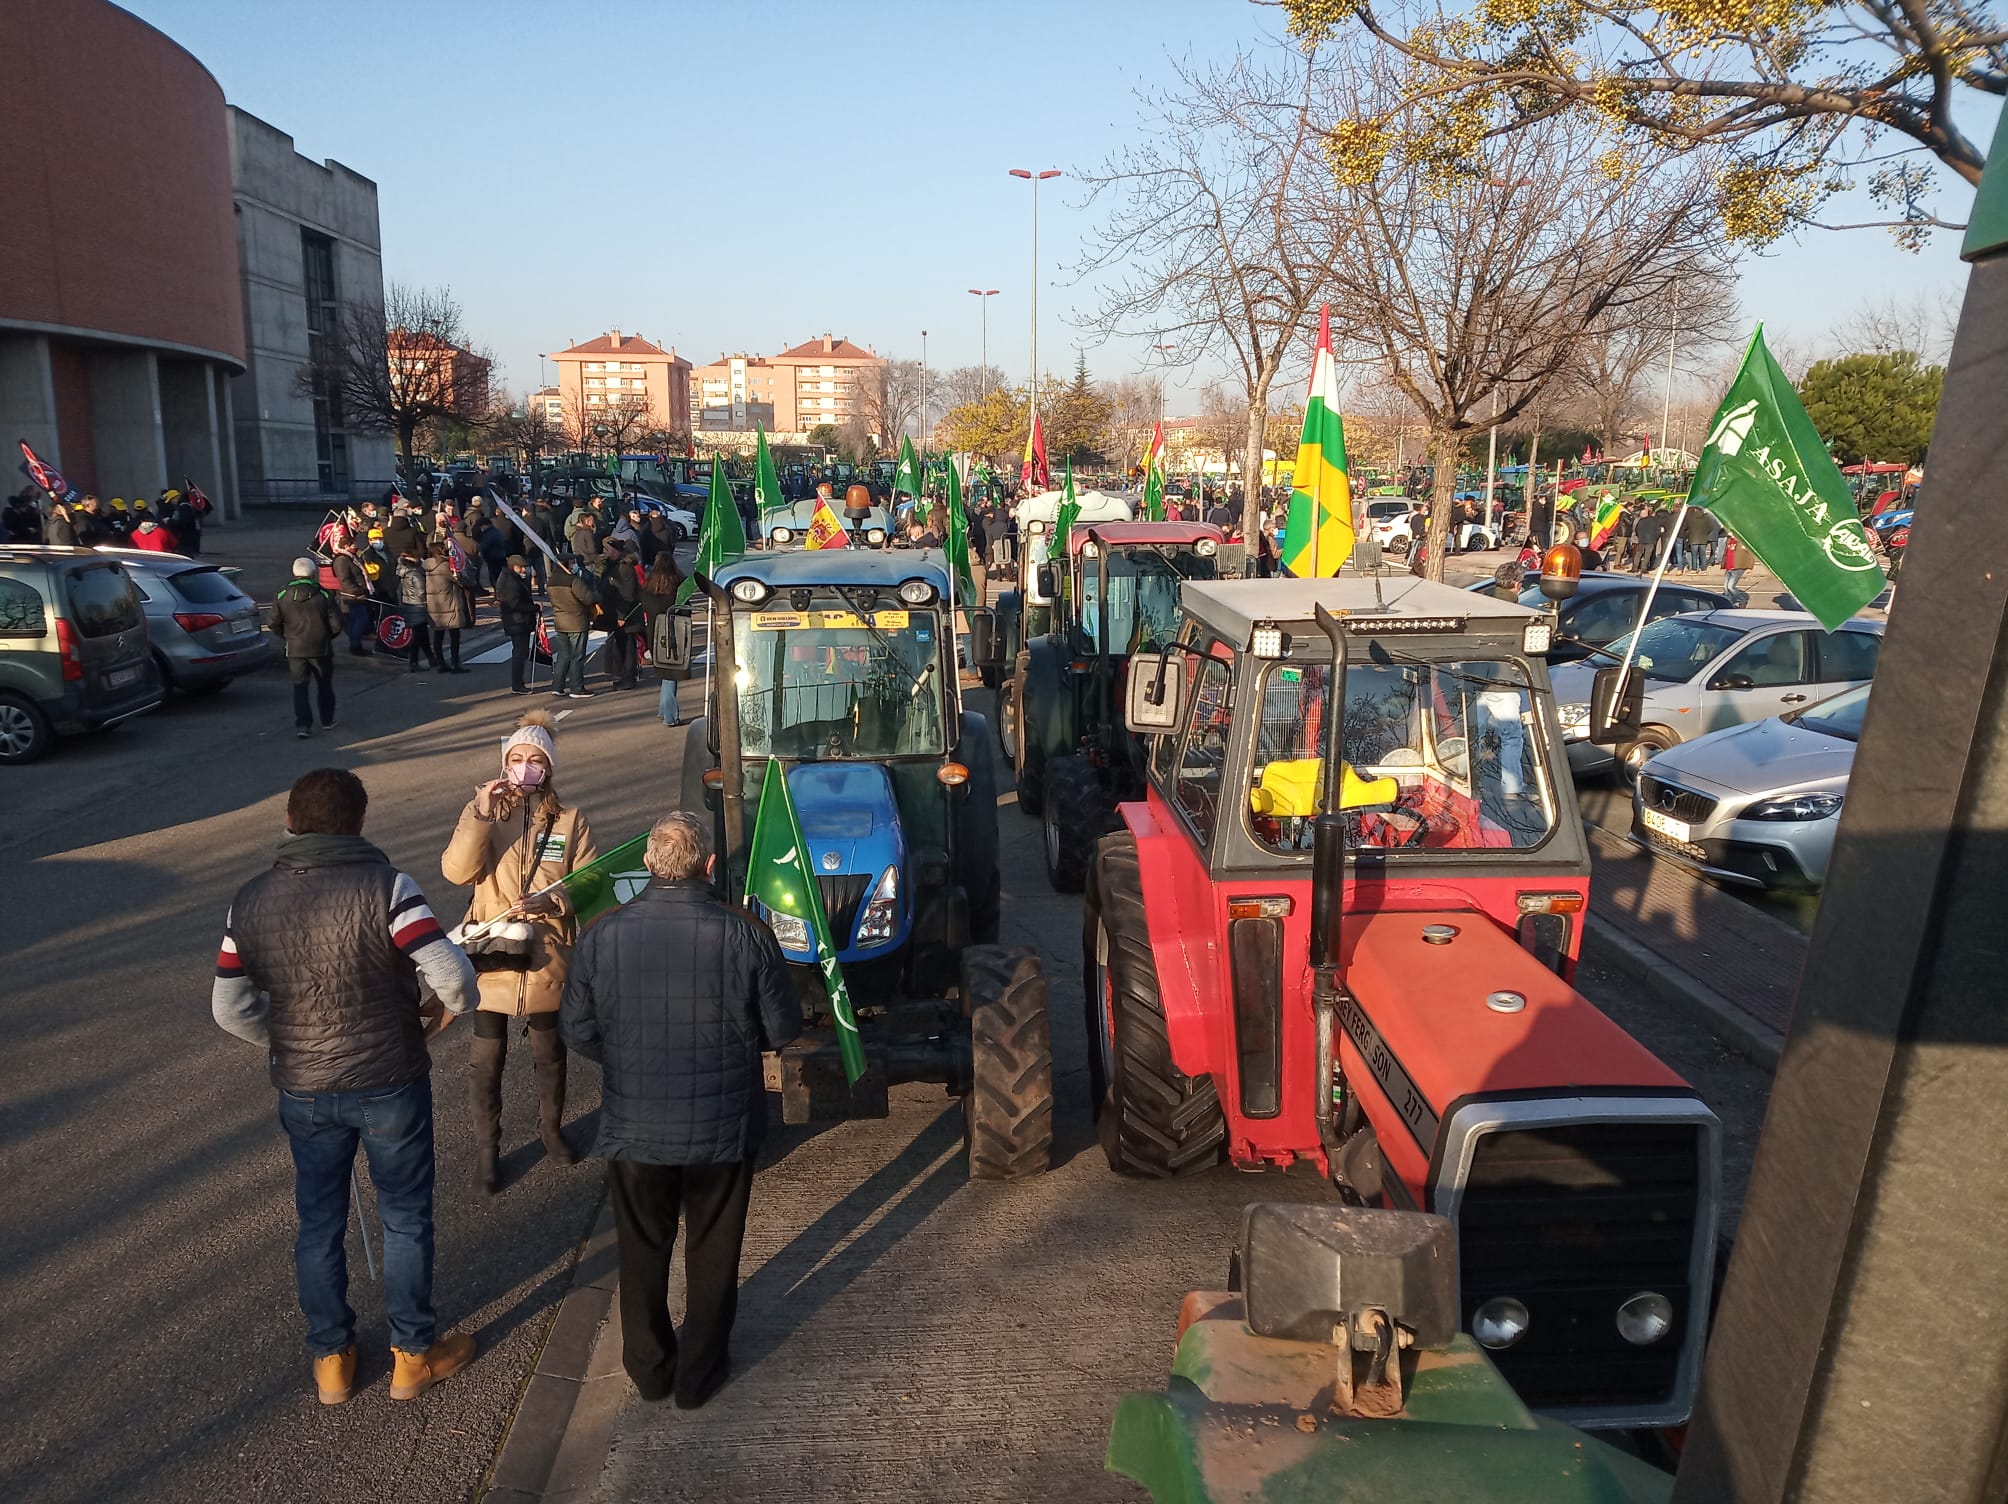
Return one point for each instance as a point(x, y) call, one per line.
point(658, 599)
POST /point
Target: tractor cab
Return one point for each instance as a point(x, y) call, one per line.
point(1114, 592)
point(836, 668)
point(1338, 929)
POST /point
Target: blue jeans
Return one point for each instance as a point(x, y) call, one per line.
point(568, 661)
point(395, 1128)
point(359, 623)
point(665, 703)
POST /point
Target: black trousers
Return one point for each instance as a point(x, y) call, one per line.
point(321, 671)
point(647, 1198)
point(519, 657)
point(617, 657)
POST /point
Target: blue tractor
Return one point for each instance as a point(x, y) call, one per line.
point(839, 666)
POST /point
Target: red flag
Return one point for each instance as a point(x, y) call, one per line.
point(1589, 453)
point(1033, 471)
point(44, 474)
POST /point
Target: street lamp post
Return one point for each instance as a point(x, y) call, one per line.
point(921, 421)
point(1035, 179)
point(983, 296)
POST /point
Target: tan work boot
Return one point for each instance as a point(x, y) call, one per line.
point(414, 1373)
point(335, 1375)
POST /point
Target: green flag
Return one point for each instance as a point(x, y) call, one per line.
point(1063, 519)
point(777, 875)
point(607, 882)
point(1153, 495)
point(907, 476)
point(722, 538)
point(766, 484)
point(1768, 478)
point(958, 539)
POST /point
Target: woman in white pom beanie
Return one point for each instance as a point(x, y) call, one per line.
point(515, 838)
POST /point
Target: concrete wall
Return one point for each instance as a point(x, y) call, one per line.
point(279, 192)
point(126, 433)
point(28, 399)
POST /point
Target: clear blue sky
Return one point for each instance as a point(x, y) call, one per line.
point(728, 177)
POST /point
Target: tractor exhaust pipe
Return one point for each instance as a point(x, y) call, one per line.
point(725, 727)
point(1328, 889)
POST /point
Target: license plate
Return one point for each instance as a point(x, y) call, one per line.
point(1666, 825)
point(120, 678)
point(244, 626)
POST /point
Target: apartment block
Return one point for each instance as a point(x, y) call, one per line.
point(618, 369)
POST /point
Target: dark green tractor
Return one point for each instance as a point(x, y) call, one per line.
point(1114, 593)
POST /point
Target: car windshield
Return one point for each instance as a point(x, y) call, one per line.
point(1841, 716)
point(1439, 755)
point(1143, 596)
point(1676, 648)
point(827, 682)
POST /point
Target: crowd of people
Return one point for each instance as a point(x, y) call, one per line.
point(169, 524)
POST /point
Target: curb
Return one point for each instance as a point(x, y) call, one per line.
point(556, 1445)
point(1664, 980)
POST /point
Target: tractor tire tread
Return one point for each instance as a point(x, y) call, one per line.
point(1079, 817)
point(1008, 1112)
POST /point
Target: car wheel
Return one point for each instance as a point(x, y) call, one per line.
point(1652, 740)
point(167, 684)
point(1399, 545)
point(24, 730)
point(677, 534)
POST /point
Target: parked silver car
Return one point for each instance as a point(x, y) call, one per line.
point(1707, 670)
point(204, 630)
point(1754, 805)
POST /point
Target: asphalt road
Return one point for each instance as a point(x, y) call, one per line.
point(904, 1334)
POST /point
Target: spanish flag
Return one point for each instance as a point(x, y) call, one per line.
point(825, 530)
point(1319, 536)
point(1034, 474)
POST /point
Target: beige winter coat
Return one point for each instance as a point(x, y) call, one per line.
point(492, 856)
point(444, 602)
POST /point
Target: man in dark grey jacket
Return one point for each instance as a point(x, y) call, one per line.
point(306, 619)
point(321, 965)
point(676, 995)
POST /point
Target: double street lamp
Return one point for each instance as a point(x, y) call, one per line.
point(984, 295)
point(1035, 179)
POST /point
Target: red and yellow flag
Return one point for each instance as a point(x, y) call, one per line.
point(1034, 474)
point(825, 530)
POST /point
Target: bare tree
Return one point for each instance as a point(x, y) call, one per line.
point(1220, 237)
point(1135, 403)
point(613, 423)
point(394, 369)
point(526, 427)
point(961, 386)
point(1621, 360)
point(887, 398)
point(1922, 324)
point(1473, 300)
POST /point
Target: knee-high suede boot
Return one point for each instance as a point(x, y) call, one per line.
point(485, 1058)
point(547, 1050)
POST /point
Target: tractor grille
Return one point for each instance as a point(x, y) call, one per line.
point(841, 896)
point(1671, 799)
point(1572, 1221)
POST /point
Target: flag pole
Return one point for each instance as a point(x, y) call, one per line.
point(1645, 606)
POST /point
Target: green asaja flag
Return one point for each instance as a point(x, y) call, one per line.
point(1153, 495)
point(778, 875)
point(958, 540)
point(609, 881)
point(766, 484)
point(907, 476)
point(1768, 478)
point(1064, 519)
point(722, 537)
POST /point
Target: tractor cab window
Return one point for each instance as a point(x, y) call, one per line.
point(1142, 604)
point(1439, 755)
point(1202, 750)
point(832, 683)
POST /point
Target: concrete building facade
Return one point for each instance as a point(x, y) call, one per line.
point(119, 331)
point(620, 369)
point(311, 258)
point(816, 382)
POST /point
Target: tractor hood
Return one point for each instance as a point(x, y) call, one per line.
point(848, 817)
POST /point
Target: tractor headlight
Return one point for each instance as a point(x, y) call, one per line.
point(881, 911)
point(781, 535)
point(1268, 640)
point(1536, 638)
point(1499, 1323)
point(1645, 1318)
point(1206, 548)
point(752, 592)
point(875, 536)
point(790, 929)
point(916, 592)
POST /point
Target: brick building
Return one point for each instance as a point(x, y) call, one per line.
point(814, 383)
point(619, 368)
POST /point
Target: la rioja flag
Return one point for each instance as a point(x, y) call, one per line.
point(1319, 536)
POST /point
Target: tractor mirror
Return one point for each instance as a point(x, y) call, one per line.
point(1045, 583)
point(1616, 713)
point(1154, 697)
point(1367, 554)
point(984, 651)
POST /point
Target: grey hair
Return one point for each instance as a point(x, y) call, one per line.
point(304, 568)
point(678, 847)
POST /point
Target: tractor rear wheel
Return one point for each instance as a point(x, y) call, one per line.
point(1153, 1119)
point(1007, 1117)
point(1073, 819)
point(1031, 765)
point(1007, 718)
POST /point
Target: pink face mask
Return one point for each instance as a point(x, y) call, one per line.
point(526, 775)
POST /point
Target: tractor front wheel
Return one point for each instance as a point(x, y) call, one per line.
point(1007, 1117)
point(1153, 1119)
point(1007, 718)
point(1072, 821)
point(1030, 763)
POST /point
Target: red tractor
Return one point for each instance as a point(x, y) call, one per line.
point(1374, 978)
